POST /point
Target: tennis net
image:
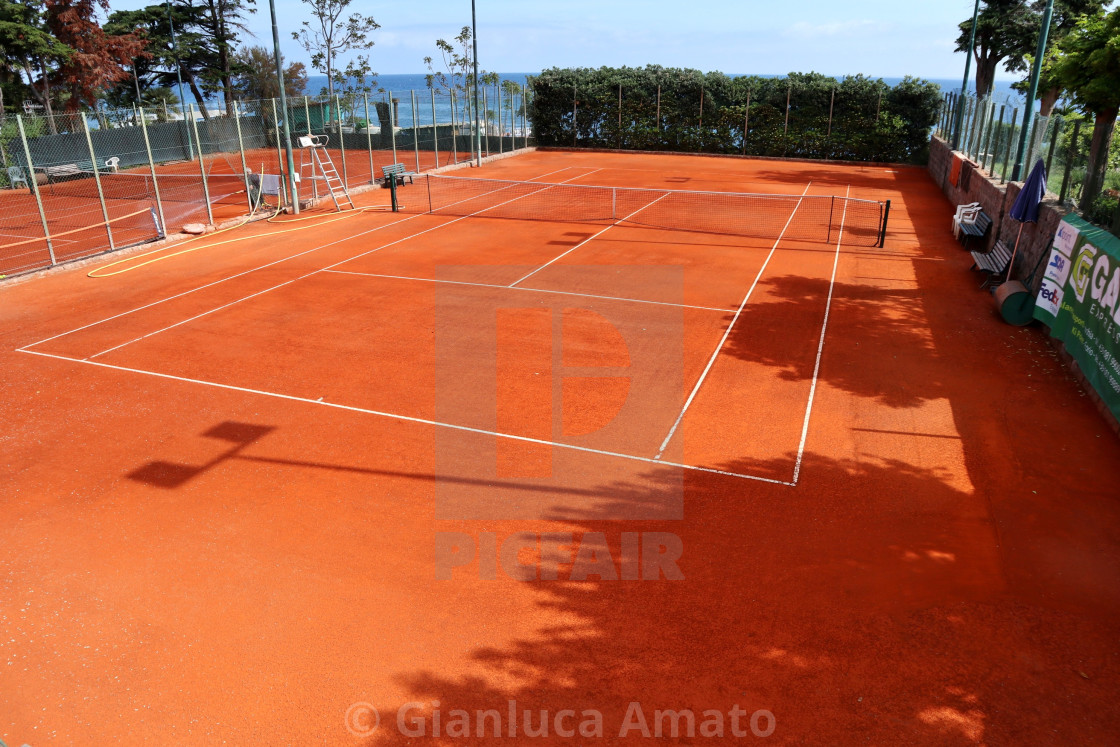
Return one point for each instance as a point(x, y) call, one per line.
point(804, 217)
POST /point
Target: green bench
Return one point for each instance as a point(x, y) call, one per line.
point(398, 172)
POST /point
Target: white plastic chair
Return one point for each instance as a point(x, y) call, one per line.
point(16, 177)
point(113, 163)
point(965, 214)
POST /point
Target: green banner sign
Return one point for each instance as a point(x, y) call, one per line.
point(1080, 300)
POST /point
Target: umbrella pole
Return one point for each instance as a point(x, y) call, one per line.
point(1014, 251)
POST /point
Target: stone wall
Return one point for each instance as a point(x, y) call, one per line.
point(996, 200)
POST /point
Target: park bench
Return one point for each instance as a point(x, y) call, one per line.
point(67, 170)
point(397, 171)
point(992, 263)
point(977, 228)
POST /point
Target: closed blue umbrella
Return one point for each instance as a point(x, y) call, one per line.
point(1025, 207)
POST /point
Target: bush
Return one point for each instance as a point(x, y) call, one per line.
point(802, 115)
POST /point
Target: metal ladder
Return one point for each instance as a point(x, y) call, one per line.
point(320, 159)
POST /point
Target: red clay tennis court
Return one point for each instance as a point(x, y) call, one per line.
point(571, 431)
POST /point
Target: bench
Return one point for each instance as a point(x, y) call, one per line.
point(397, 171)
point(67, 170)
point(976, 229)
point(993, 263)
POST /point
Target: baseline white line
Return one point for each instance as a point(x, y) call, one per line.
point(727, 332)
point(246, 272)
point(590, 238)
point(411, 419)
point(529, 290)
point(820, 349)
point(301, 277)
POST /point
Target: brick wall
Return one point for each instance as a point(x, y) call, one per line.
point(996, 201)
point(1034, 242)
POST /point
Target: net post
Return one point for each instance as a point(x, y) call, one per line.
point(341, 142)
point(97, 179)
point(415, 130)
point(435, 126)
point(614, 203)
point(152, 168)
point(241, 149)
point(393, 192)
point(201, 165)
point(35, 188)
point(369, 140)
point(279, 158)
point(454, 129)
point(831, 211)
point(883, 230)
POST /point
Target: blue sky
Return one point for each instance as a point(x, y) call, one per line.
point(882, 38)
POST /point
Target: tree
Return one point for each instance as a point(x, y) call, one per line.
point(257, 79)
point(220, 23)
point(29, 46)
point(334, 35)
point(1065, 16)
point(1087, 65)
point(1003, 28)
point(98, 60)
point(457, 73)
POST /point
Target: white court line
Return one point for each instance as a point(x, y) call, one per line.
point(240, 274)
point(531, 290)
point(410, 419)
point(293, 280)
point(820, 348)
point(727, 332)
point(590, 238)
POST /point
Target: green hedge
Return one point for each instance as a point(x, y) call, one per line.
point(705, 112)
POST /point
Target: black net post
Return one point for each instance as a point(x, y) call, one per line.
point(883, 231)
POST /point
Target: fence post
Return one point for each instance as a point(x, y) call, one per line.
point(152, 168)
point(993, 133)
point(454, 129)
point(201, 166)
point(1069, 162)
point(789, 94)
point(486, 120)
point(619, 137)
point(501, 130)
point(342, 143)
point(35, 188)
point(415, 130)
point(575, 105)
point(1010, 140)
point(241, 148)
point(280, 198)
point(746, 121)
point(657, 121)
point(831, 102)
point(435, 127)
point(97, 179)
point(369, 138)
point(1053, 146)
point(307, 113)
point(878, 106)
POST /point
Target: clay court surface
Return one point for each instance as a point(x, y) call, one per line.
point(231, 476)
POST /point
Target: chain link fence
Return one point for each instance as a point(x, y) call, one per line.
point(989, 135)
point(74, 185)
